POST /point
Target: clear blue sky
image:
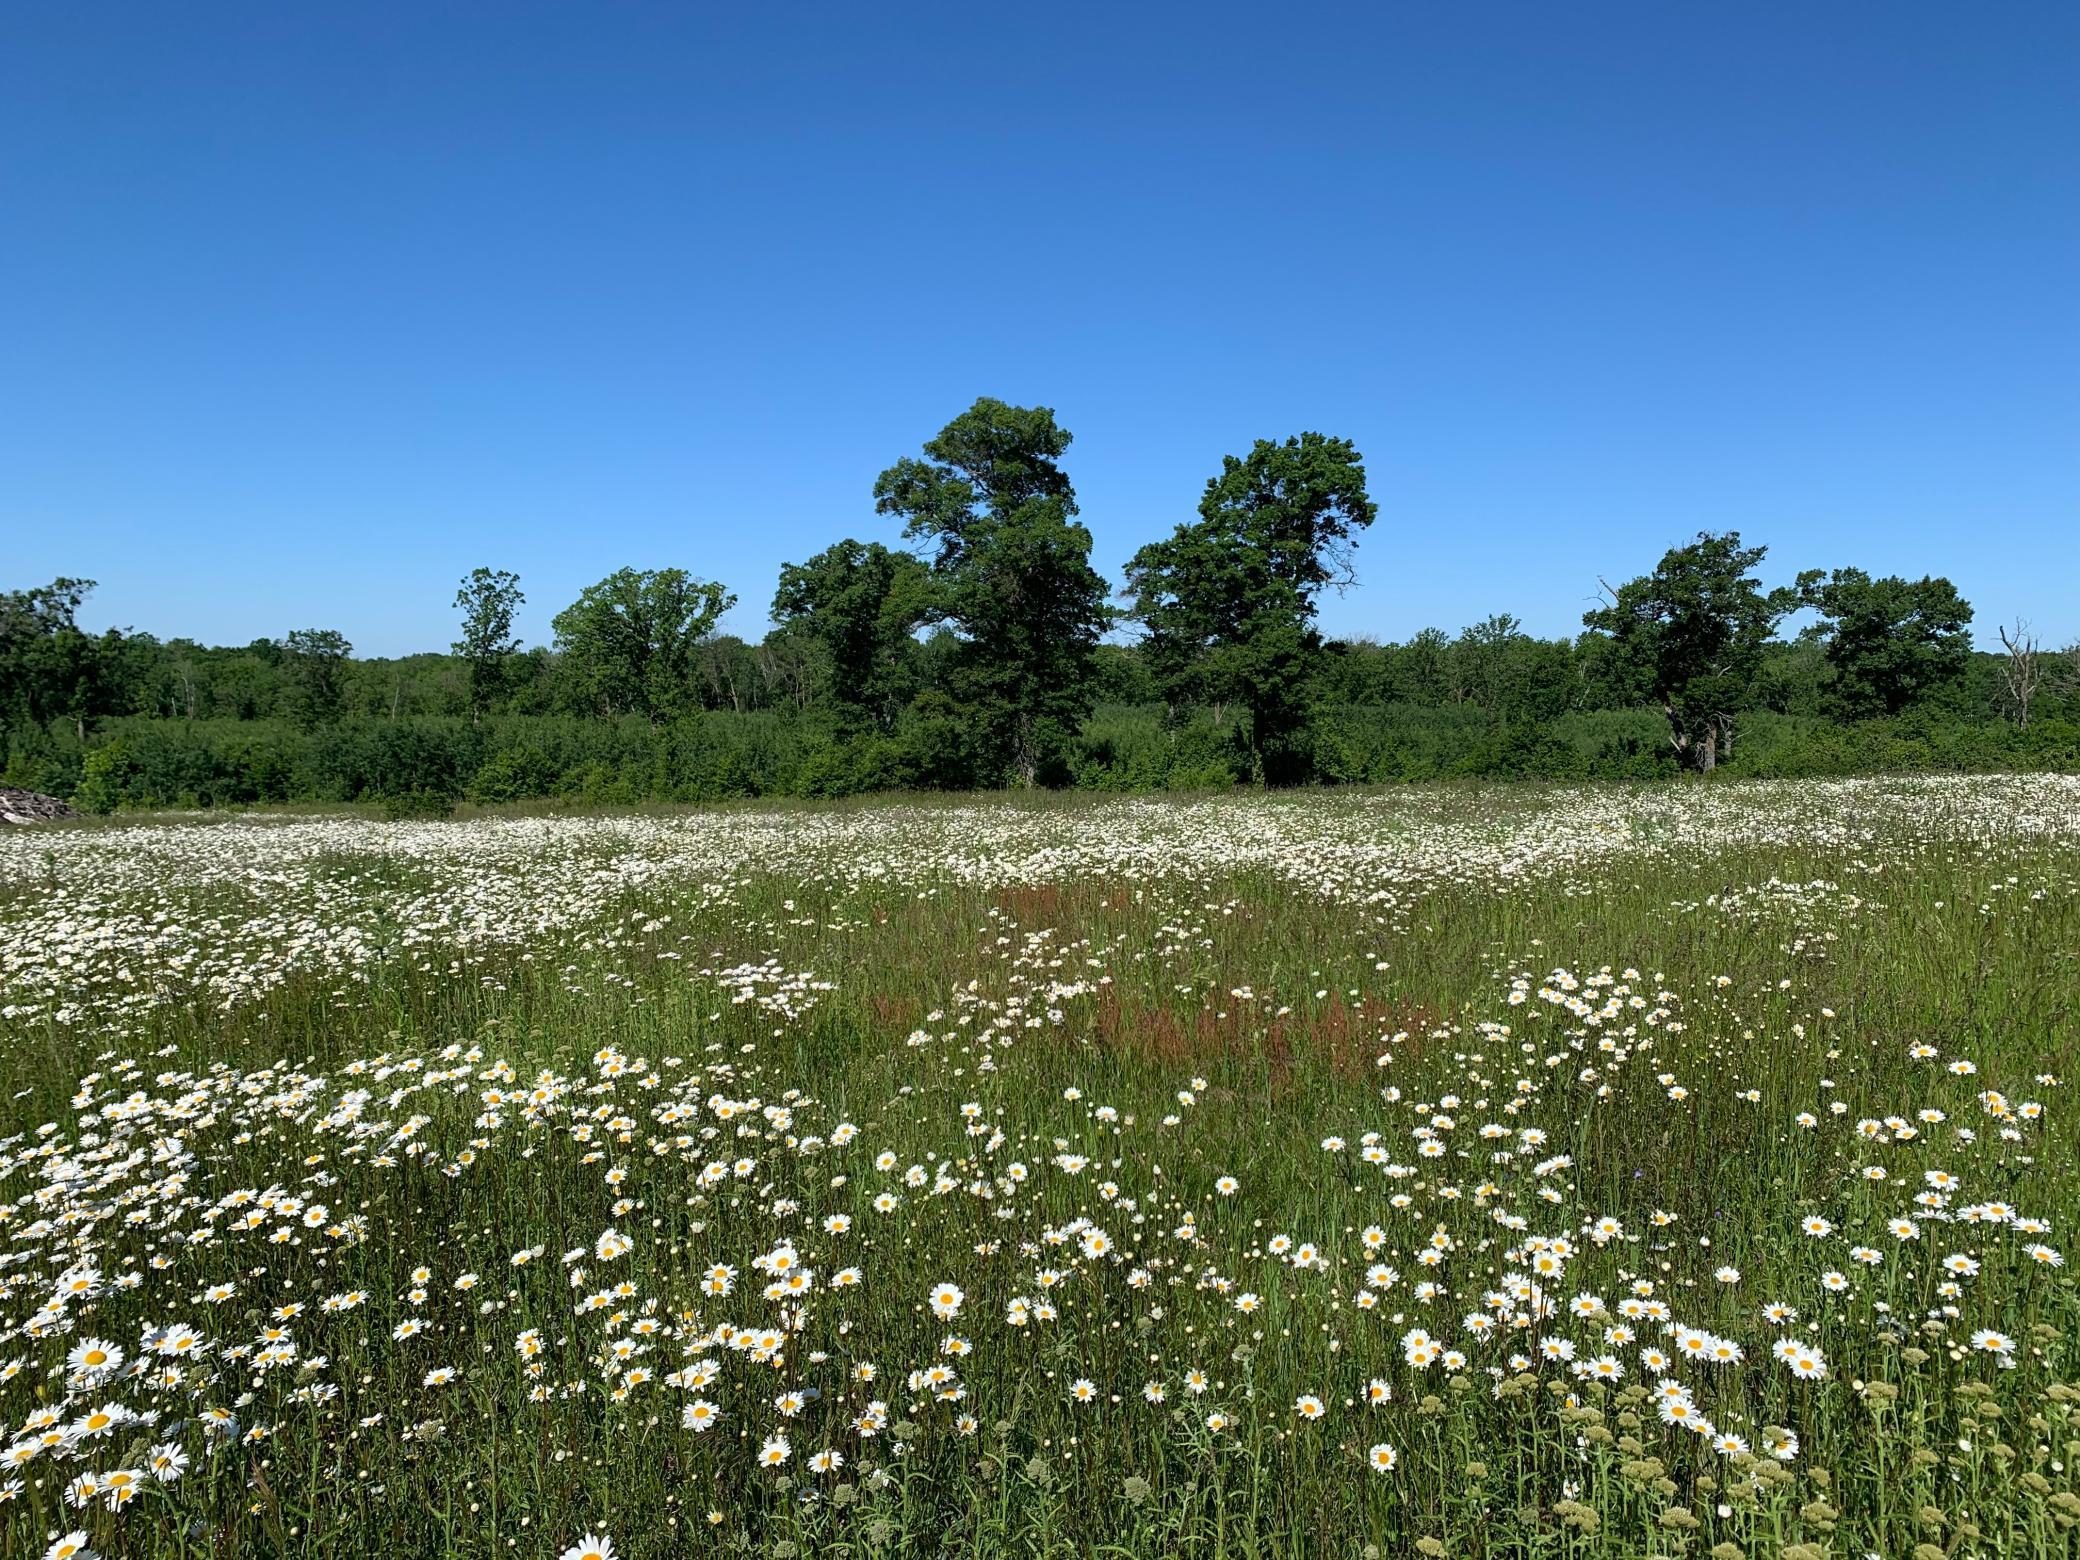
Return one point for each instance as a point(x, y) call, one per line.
point(306, 309)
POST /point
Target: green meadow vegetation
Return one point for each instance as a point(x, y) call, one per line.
point(1547, 1171)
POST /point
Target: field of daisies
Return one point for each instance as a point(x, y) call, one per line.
point(1561, 1173)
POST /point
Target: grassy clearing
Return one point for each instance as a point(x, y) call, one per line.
point(1636, 1172)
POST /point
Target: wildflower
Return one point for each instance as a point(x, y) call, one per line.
point(590, 1547)
point(1808, 1365)
point(96, 1423)
point(1383, 1458)
point(93, 1358)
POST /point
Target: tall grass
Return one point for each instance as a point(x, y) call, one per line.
point(1125, 1040)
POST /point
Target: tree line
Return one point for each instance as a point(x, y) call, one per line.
point(993, 652)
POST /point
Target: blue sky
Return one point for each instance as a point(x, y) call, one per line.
point(307, 309)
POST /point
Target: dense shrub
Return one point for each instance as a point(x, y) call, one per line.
point(141, 762)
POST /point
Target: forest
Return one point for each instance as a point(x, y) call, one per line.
point(991, 653)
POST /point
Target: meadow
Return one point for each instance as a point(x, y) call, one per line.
point(1565, 1172)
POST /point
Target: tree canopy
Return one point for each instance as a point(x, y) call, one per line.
point(315, 659)
point(488, 599)
point(629, 642)
point(980, 648)
point(860, 604)
point(1228, 600)
point(1889, 642)
point(1012, 575)
point(1690, 637)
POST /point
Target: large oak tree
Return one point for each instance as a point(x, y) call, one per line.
point(1228, 600)
point(1012, 574)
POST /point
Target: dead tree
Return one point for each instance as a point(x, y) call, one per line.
point(2021, 673)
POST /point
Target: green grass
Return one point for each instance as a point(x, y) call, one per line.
point(968, 1021)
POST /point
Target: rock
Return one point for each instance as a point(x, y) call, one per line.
point(30, 807)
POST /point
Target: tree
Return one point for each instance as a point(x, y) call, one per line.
point(488, 599)
point(1690, 637)
point(46, 661)
point(1012, 573)
point(1228, 600)
point(732, 674)
point(1421, 667)
point(2021, 673)
point(861, 604)
point(1483, 652)
point(629, 642)
point(1889, 642)
point(793, 667)
point(315, 661)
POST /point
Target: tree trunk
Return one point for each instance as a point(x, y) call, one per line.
point(1025, 759)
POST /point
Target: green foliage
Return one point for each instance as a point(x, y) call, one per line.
point(407, 806)
point(1013, 576)
point(629, 643)
point(860, 606)
point(488, 599)
point(514, 774)
point(1892, 642)
point(1691, 638)
point(983, 663)
point(103, 776)
point(50, 669)
point(141, 762)
point(315, 661)
point(1228, 600)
